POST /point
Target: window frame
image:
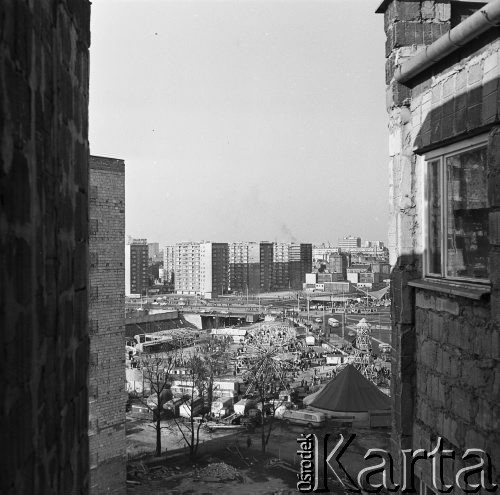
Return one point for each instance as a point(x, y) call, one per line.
point(440, 154)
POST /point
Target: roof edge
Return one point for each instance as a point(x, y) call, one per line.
point(472, 27)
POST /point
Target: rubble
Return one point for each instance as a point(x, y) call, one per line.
point(218, 471)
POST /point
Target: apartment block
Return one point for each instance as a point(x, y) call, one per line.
point(187, 268)
point(168, 263)
point(299, 263)
point(214, 263)
point(136, 267)
point(201, 268)
point(244, 267)
point(266, 266)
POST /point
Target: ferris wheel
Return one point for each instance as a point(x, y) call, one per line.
point(361, 351)
point(269, 358)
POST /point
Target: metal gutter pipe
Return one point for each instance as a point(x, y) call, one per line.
point(475, 25)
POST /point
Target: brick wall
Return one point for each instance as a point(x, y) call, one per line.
point(409, 27)
point(44, 60)
point(107, 395)
point(457, 377)
point(445, 375)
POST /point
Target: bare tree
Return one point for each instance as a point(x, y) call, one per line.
point(268, 373)
point(157, 369)
point(194, 402)
point(216, 355)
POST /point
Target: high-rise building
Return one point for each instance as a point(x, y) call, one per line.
point(187, 267)
point(168, 263)
point(201, 268)
point(244, 267)
point(106, 309)
point(348, 243)
point(281, 267)
point(266, 266)
point(136, 267)
point(214, 269)
point(299, 263)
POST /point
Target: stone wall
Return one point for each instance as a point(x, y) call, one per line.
point(44, 60)
point(107, 395)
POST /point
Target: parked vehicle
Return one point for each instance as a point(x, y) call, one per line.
point(304, 417)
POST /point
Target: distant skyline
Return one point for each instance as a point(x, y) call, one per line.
point(331, 242)
point(247, 120)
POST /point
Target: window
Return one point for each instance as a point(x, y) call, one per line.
point(457, 212)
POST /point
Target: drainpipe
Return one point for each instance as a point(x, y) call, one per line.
point(475, 25)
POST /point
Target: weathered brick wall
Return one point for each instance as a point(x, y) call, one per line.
point(107, 395)
point(409, 26)
point(458, 379)
point(457, 339)
point(460, 97)
point(439, 341)
point(44, 61)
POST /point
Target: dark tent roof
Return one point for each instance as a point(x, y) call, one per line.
point(350, 391)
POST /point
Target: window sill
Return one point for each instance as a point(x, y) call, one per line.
point(447, 287)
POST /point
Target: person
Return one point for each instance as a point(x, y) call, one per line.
point(249, 442)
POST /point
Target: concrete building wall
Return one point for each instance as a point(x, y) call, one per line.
point(206, 285)
point(349, 242)
point(168, 262)
point(107, 326)
point(220, 268)
point(44, 62)
point(187, 267)
point(266, 266)
point(139, 279)
point(127, 270)
point(445, 378)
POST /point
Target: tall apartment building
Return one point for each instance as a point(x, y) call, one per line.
point(299, 263)
point(187, 267)
point(244, 267)
point(337, 264)
point(214, 269)
point(280, 270)
point(201, 268)
point(348, 243)
point(266, 266)
point(168, 263)
point(106, 310)
point(136, 267)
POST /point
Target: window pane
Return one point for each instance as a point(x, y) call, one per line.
point(434, 231)
point(467, 210)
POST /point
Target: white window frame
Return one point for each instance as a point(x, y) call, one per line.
point(441, 154)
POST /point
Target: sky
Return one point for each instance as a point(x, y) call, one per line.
point(243, 120)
